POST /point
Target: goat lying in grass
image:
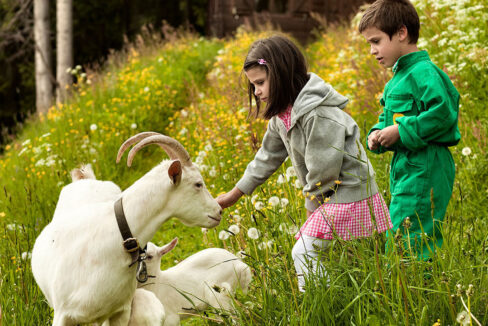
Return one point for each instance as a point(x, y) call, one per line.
point(207, 278)
point(79, 261)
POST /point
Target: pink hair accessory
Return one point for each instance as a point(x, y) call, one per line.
point(261, 61)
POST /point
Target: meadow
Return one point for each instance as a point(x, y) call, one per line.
point(192, 89)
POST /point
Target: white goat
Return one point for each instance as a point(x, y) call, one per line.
point(207, 278)
point(79, 261)
point(146, 309)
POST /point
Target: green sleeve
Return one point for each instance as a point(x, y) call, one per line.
point(438, 114)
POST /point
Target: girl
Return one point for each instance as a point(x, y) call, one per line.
point(307, 123)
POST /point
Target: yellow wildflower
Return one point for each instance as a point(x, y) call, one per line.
point(337, 182)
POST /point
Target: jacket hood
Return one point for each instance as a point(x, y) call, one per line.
point(316, 92)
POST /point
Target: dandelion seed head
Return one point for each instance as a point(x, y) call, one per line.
point(253, 233)
point(223, 235)
point(234, 229)
point(274, 201)
point(466, 151)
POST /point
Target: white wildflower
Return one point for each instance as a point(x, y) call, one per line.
point(12, 227)
point(183, 113)
point(212, 172)
point(183, 131)
point(93, 127)
point(202, 167)
point(266, 245)
point(26, 255)
point(204, 230)
point(133, 126)
point(283, 227)
point(254, 198)
point(146, 89)
point(93, 151)
point(463, 318)
point(40, 162)
point(223, 235)
point(290, 172)
point(208, 147)
point(297, 184)
point(22, 151)
point(259, 205)
point(284, 202)
point(292, 229)
point(234, 229)
point(273, 201)
point(253, 233)
point(281, 179)
point(466, 151)
point(237, 218)
point(26, 142)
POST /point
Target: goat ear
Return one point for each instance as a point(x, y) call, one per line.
point(174, 172)
point(168, 247)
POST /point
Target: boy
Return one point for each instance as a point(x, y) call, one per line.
point(418, 123)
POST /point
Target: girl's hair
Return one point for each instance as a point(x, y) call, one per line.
point(286, 69)
point(389, 16)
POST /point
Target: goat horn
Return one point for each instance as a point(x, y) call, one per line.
point(171, 146)
point(135, 139)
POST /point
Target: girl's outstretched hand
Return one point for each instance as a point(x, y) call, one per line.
point(230, 198)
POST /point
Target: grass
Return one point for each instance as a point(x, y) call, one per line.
point(190, 89)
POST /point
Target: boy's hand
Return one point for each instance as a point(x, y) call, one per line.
point(389, 136)
point(373, 141)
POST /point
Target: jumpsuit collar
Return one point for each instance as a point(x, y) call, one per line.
point(410, 59)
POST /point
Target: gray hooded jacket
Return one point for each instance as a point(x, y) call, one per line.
point(323, 145)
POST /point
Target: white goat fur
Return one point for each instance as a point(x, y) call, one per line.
point(78, 259)
point(146, 309)
point(209, 278)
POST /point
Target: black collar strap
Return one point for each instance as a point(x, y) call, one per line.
point(130, 243)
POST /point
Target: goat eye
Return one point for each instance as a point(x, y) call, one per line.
point(199, 185)
point(149, 257)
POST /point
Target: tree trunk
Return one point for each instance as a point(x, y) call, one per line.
point(44, 86)
point(64, 47)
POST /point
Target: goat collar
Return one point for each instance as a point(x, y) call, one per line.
point(131, 244)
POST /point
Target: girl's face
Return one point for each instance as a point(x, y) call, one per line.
point(386, 50)
point(259, 79)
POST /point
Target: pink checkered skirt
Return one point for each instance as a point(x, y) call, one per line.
point(348, 221)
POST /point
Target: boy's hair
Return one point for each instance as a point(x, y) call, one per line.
point(389, 16)
point(286, 69)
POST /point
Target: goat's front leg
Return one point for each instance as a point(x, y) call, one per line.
point(62, 320)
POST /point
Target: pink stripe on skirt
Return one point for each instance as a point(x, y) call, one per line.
point(348, 221)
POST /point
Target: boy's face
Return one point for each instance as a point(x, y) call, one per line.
point(385, 50)
point(259, 79)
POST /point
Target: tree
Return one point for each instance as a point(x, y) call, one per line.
point(44, 86)
point(64, 47)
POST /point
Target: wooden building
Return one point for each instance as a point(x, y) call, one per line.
point(297, 17)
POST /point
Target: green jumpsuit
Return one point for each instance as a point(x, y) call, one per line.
point(424, 104)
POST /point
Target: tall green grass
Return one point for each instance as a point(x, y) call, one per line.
point(190, 89)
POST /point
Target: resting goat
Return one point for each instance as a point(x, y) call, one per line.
point(79, 261)
point(207, 278)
